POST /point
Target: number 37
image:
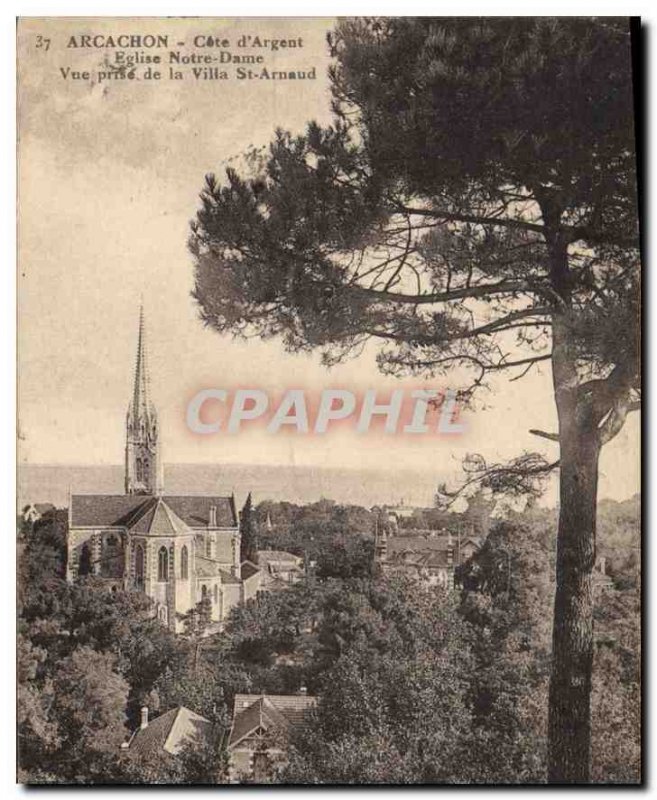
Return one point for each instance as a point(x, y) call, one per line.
point(42, 43)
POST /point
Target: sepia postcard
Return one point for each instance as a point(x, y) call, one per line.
point(329, 382)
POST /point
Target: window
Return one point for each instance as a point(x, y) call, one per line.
point(216, 593)
point(111, 563)
point(139, 470)
point(184, 563)
point(204, 592)
point(208, 547)
point(84, 565)
point(163, 564)
point(139, 564)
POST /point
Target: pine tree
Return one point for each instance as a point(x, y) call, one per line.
point(472, 207)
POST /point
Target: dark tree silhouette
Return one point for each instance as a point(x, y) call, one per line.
point(249, 533)
point(472, 207)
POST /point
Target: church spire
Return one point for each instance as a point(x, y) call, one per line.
point(141, 404)
point(142, 452)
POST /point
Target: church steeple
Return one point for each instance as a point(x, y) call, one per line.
point(142, 450)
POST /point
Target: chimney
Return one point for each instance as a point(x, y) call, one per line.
point(212, 522)
point(144, 718)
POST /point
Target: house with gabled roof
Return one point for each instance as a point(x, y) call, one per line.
point(169, 733)
point(279, 569)
point(428, 556)
point(176, 549)
point(260, 732)
point(36, 511)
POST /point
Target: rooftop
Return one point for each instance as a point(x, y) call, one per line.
point(126, 510)
point(265, 556)
point(254, 711)
point(170, 732)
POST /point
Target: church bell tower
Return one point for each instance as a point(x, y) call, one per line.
point(143, 472)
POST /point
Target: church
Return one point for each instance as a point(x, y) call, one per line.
point(175, 549)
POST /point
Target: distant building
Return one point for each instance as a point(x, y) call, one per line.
point(428, 556)
point(399, 512)
point(261, 728)
point(279, 570)
point(169, 733)
point(35, 511)
point(601, 581)
point(176, 549)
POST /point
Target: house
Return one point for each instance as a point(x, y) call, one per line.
point(35, 511)
point(394, 514)
point(176, 549)
point(427, 556)
point(251, 577)
point(169, 733)
point(602, 582)
point(279, 569)
point(260, 731)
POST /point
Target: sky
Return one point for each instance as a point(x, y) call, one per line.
point(109, 176)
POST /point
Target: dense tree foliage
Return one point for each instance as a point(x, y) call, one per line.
point(414, 686)
point(88, 660)
point(335, 541)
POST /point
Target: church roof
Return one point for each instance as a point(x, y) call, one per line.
point(124, 510)
point(170, 732)
point(158, 519)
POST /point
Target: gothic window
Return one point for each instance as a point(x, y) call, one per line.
point(208, 547)
point(163, 564)
point(84, 565)
point(144, 468)
point(139, 470)
point(184, 563)
point(204, 592)
point(111, 565)
point(216, 593)
point(139, 564)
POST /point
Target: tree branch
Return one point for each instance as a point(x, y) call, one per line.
point(614, 421)
point(553, 437)
point(450, 216)
point(463, 293)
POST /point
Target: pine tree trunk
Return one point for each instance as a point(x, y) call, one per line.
point(569, 726)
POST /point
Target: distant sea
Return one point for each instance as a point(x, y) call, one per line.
point(52, 483)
